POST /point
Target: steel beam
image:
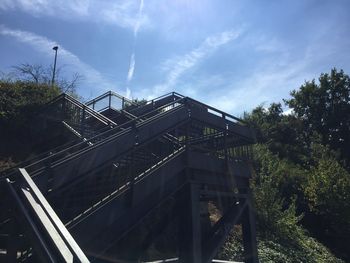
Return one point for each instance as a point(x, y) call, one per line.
point(190, 241)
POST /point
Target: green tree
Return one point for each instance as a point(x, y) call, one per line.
point(327, 190)
point(324, 108)
point(19, 103)
point(19, 99)
point(283, 134)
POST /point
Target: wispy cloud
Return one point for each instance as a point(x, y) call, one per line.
point(131, 68)
point(47, 7)
point(132, 57)
point(44, 45)
point(139, 19)
point(175, 67)
point(122, 13)
point(270, 80)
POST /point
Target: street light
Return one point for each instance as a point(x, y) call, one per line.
point(54, 66)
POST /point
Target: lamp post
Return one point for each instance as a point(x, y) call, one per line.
point(54, 66)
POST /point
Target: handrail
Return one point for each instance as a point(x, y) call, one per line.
point(166, 95)
point(107, 94)
point(45, 215)
point(92, 112)
point(152, 101)
point(114, 136)
point(36, 157)
point(110, 132)
point(222, 113)
point(114, 194)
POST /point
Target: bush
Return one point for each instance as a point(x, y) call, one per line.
point(19, 100)
point(327, 190)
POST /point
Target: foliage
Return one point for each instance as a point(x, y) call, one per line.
point(281, 237)
point(282, 134)
point(325, 108)
point(303, 163)
point(276, 216)
point(271, 251)
point(18, 100)
point(327, 190)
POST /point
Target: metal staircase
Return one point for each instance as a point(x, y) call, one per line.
point(125, 165)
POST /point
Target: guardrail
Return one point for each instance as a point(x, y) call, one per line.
point(52, 239)
point(111, 134)
point(109, 95)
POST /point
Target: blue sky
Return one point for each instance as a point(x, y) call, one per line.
point(231, 54)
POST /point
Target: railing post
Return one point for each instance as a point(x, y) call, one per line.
point(110, 99)
point(64, 105)
point(225, 145)
point(83, 121)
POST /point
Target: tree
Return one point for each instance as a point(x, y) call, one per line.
point(283, 134)
point(40, 74)
point(20, 99)
point(325, 108)
point(327, 189)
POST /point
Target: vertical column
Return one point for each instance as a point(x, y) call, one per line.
point(11, 253)
point(82, 131)
point(190, 242)
point(64, 110)
point(110, 99)
point(249, 234)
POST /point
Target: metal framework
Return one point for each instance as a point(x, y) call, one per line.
point(128, 173)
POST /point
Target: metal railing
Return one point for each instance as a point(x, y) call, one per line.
point(102, 138)
point(51, 238)
point(124, 102)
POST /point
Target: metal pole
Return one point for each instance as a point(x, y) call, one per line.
point(54, 66)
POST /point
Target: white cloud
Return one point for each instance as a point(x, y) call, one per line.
point(125, 14)
point(122, 13)
point(265, 84)
point(44, 45)
point(288, 112)
point(175, 67)
point(47, 7)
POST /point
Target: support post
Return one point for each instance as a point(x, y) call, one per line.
point(12, 242)
point(110, 99)
point(190, 242)
point(249, 235)
point(83, 121)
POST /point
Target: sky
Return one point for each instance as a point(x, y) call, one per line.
point(230, 54)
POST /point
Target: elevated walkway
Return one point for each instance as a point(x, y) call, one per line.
point(127, 173)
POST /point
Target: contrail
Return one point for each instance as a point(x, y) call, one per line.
point(132, 58)
point(131, 67)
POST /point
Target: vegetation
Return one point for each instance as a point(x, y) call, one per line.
point(22, 93)
point(302, 183)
